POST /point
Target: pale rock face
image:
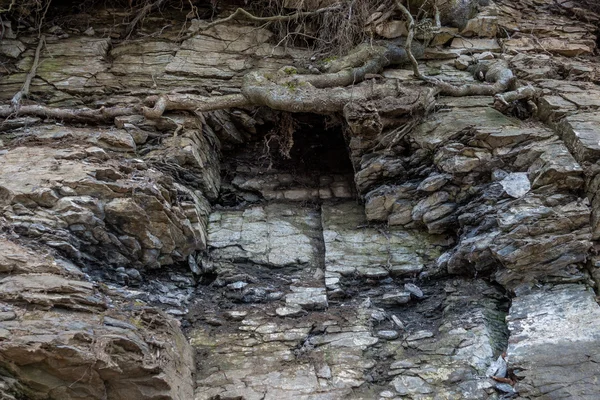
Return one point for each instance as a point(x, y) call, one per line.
point(516, 185)
point(564, 318)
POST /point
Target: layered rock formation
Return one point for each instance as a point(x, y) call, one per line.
point(371, 254)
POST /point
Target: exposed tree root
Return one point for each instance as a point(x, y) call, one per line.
point(191, 102)
point(499, 76)
point(83, 115)
point(289, 91)
point(524, 92)
point(496, 73)
point(16, 100)
point(504, 101)
point(340, 84)
point(260, 91)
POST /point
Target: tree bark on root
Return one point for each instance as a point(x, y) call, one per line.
point(82, 115)
point(524, 92)
point(411, 32)
point(341, 83)
point(259, 91)
point(498, 75)
point(190, 102)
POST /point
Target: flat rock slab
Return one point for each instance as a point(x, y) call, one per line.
point(582, 135)
point(274, 235)
point(264, 358)
point(448, 361)
point(476, 45)
point(555, 341)
point(353, 249)
point(309, 298)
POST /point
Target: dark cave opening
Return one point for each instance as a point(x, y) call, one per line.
point(318, 146)
point(298, 157)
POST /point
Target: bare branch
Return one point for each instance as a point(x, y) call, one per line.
point(524, 92)
point(16, 100)
point(10, 6)
point(411, 32)
point(240, 13)
point(148, 7)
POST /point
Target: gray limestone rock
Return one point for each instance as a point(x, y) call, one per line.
point(308, 298)
point(557, 329)
point(516, 184)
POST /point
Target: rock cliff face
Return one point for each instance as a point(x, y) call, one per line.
point(254, 254)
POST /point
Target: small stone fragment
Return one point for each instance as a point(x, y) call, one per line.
point(214, 321)
point(498, 174)
point(309, 298)
point(398, 322)
point(378, 315)
point(133, 274)
point(402, 364)
point(433, 182)
point(411, 385)
point(498, 368)
point(236, 315)
point(396, 298)
point(194, 265)
point(324, 372)
point(413, 290)
point(420, 335)
point(486, 55)
point(505, 388)
point(237, 285)
point(388, 334)
point(516, 184)
point(462, 63)
point(289, 311)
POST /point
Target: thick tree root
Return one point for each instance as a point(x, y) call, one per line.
point(497, 73)
point(499, 76)
point(524, 92)
point(190, 102)
point(83, 115)
point(289, 91)
point(342, 82)
point(260, 91)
